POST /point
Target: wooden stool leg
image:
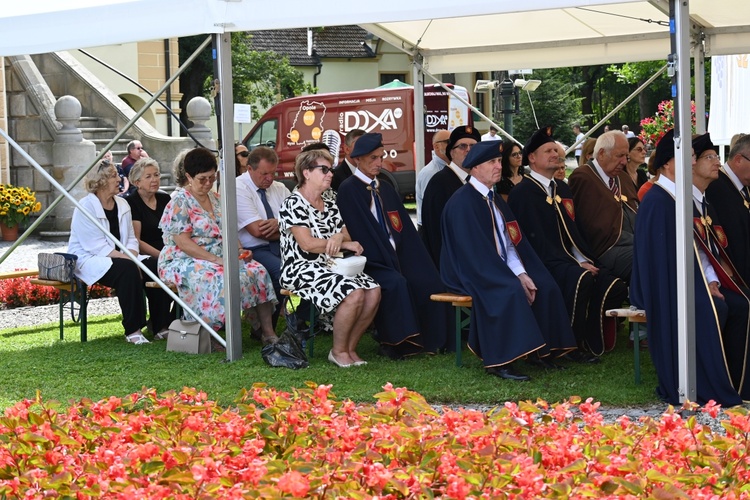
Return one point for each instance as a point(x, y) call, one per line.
point(635, 328)
point(61, 305)
point(459, 347)
point(311, 336)
point(84, 316)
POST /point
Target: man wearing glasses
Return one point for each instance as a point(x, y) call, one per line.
point(442, 186)
point(259, 199)
point(407, 321)
point(135, 153)
point(545, 210)
point(730, 198)
point(439, 160)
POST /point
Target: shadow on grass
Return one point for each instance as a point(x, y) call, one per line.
point(35, 359)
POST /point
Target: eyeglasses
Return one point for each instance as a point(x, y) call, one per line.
point(138, 148)
point(639, 149)
point(243, 154)
point(206, 179)
point(463, 147)
point(745, 157)
point(516, 154)
point(103, 164)
point(444, 140)
point(323, 168)
point(709, 157)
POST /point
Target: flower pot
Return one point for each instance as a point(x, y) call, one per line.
point(9, 233)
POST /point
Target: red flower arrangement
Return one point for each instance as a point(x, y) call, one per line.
point(274, 444)
point(654, 128)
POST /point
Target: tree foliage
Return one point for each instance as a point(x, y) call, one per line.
point(258, 78)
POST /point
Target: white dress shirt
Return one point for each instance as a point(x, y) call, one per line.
point(358, 173)
point(513, 260)
point(708, 269)
point(250, 207)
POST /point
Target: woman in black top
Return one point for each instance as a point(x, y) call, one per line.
point(636, 167)
point(512, 168)
point(147, 204)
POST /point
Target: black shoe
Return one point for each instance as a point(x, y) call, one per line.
point(507, 372)
point(582, 357)
point(543, 363)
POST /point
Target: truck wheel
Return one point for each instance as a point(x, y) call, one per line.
point(387, 177)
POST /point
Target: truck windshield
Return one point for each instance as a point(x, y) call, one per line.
point(265, 135)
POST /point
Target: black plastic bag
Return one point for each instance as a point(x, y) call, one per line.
point(286, 353)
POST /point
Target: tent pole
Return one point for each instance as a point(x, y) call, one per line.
point(699, 59)
point(417, 78)
point(679, 23)
point(222, 53)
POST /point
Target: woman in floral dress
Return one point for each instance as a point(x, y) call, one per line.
point(192, 255)
point(311, 231)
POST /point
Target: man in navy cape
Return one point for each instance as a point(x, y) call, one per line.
point(545, 210)
point(407, 321)
point(442, 186)
point(517, 308)
point(718, 309)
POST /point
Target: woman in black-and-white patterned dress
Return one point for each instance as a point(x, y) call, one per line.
point(311, 230)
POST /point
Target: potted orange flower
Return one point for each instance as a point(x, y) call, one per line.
point(16, 206)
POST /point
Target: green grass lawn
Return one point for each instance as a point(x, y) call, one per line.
point(33, 358)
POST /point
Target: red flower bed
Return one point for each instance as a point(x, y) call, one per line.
point(310, 444)
point(20, 292)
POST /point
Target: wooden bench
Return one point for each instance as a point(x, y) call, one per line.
point(462, 303)
point(311, 331)
point(635, 318)
point(69, 292)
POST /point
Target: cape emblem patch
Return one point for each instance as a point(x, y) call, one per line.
point(395, 220)
point(569, 207)
point(698, 223)
point(513, 231)
point(721, 236)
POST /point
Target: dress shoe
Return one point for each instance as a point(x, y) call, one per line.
point(543, 363)
point(333, 360)
point(507, 372)
point(583, 357)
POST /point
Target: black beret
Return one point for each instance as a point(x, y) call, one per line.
point(482, 152)
point(664, 150)
point(703, 143)
point(537, 139)
point(462, 132)
point(366, 144)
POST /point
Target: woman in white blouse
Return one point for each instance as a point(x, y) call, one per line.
point(99, 260)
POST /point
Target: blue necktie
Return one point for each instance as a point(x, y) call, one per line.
point(491, 202)
point(266, 205)
point(269, 215)
point(378, 206)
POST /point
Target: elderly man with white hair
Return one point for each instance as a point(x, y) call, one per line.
point(606, 217)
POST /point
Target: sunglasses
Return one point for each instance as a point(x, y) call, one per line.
point(516, 154)
point(206, 180)
point(323, 168)
point(243, 154)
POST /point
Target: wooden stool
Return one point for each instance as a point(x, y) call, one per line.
point(635, 318)
point(70, 292)
point(311, 332)
point(462, 303)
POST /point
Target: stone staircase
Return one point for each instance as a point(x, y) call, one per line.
point(93, 130)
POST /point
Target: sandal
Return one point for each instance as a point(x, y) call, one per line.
point(137, 338)
point(162, 335)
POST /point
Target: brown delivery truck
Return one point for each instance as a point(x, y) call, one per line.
point(292, 124)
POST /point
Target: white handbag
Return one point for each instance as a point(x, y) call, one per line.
point(345, 263)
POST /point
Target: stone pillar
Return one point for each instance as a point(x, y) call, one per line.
point(199, 112)
point(71, 155)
